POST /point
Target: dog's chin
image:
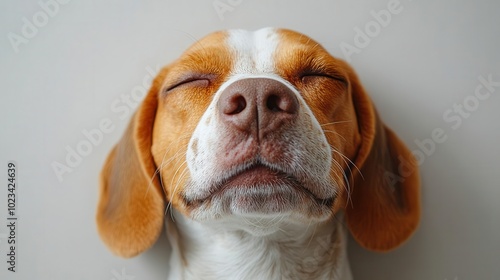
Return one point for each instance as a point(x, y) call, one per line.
point(258, 191)
point(260, 200)
point(262, 207)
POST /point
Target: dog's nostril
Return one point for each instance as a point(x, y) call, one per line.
point(273, 103)
point(278, 103)
point(235, 105)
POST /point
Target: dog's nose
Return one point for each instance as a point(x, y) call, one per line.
point(257, 105)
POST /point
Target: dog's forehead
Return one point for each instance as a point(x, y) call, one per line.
point(251, 52)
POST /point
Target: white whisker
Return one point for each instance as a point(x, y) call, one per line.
point(336, 133)
point(332, 123)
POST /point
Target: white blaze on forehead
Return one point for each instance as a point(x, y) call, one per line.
point(253, 50)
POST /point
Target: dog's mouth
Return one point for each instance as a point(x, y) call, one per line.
point(255, 175)
point(259, 183)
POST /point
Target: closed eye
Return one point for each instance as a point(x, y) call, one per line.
point(311, 77)
point(190, 82)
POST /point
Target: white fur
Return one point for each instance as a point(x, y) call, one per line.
point(253, 50)
point(316, 252)
point(217, 241)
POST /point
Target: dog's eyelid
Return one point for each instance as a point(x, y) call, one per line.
point(325, 75)
point(202, 79)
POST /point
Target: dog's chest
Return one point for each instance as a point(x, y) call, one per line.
point(198, 254)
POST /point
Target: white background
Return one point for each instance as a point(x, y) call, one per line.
point(65, 78)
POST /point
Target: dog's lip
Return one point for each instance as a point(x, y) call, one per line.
point(257, 175)
point(254, 175)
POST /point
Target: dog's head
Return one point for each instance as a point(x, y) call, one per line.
point(261, 124)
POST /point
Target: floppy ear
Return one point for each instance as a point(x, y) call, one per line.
point(131, 204)
point(385, 208)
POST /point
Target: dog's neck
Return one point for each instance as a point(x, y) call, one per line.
point(208, 252)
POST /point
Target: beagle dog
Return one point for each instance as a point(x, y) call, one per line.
point(258, 151)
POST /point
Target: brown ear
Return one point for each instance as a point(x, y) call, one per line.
point(131, 205)
point(385, 208)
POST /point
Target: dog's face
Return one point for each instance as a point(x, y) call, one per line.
point(262, 124)
point(250, 127)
